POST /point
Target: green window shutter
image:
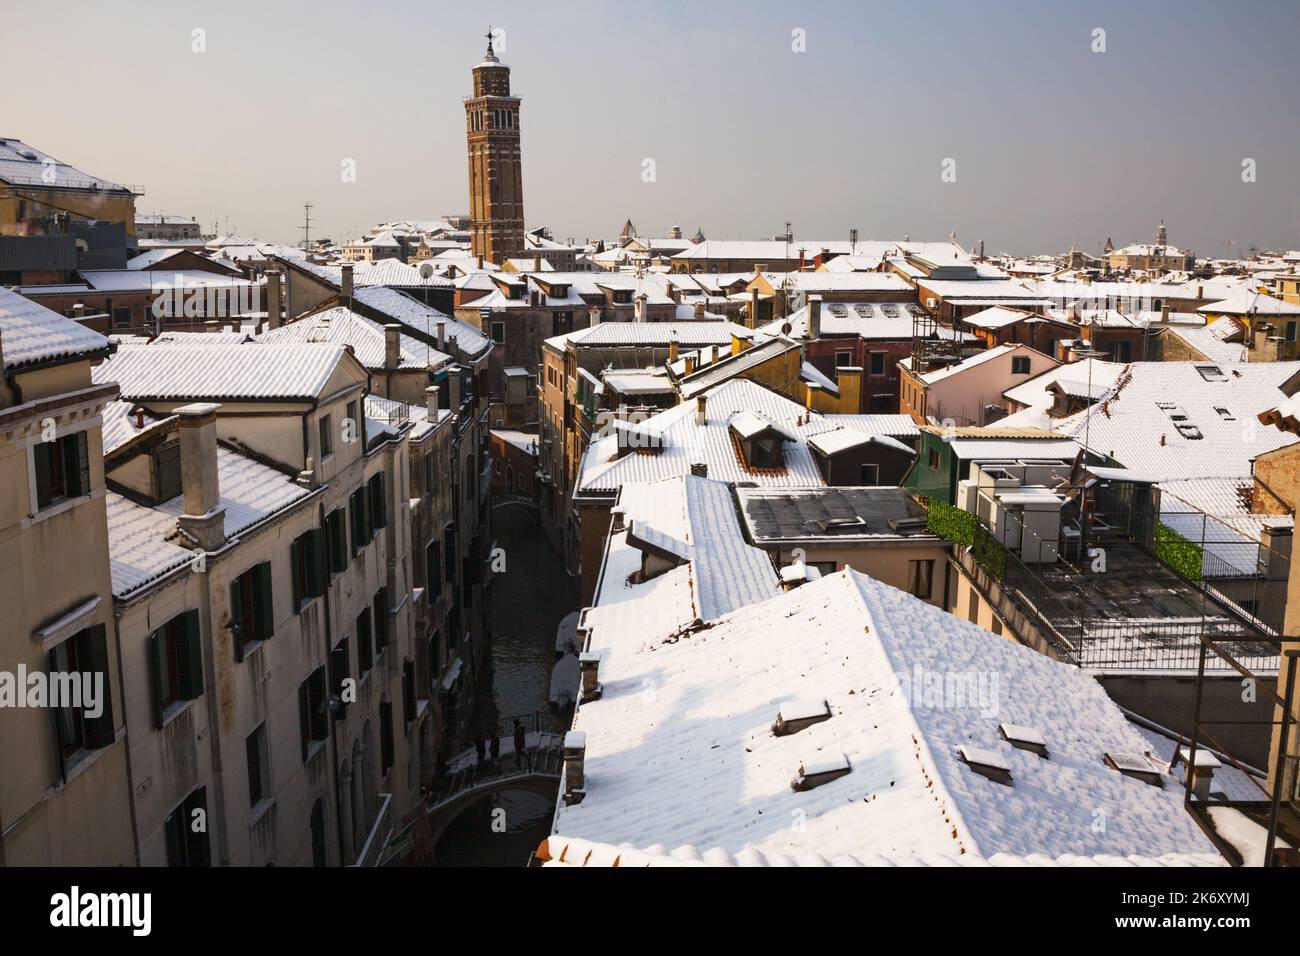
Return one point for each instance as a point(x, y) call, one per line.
point(155, 674)
point(298, 573)
point(190, 651)
point(83, 464)
point(316, 562)
point(304, 717)
point(60, 742)
point(263, 605)
point(100, 731)
point(377, 511)
point(42, 454)
point(236, 615)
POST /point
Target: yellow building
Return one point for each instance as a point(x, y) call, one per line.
point(37, 192)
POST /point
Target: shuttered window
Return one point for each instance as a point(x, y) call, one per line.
point(62, 469)
point(175, 663)
point(252, 613)
point(186, 828)
point(310, 576)
point(340, 669)
point(365, 645)
point(360, 520)
point(378, 516)
point(381, 619)
point(84, 717)
point(312, 697)
point(337, 535)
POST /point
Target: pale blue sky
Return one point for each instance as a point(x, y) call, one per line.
point(1053, 143)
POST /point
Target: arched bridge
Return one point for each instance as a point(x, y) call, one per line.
point(515, 501)
point(537, 769)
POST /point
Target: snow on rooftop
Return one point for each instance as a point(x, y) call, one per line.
point(249, 372)
point(424, 319)
point(31, 333)
point(342, 326)
point(696, 764)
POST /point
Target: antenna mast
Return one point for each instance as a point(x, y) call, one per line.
point(306, 226)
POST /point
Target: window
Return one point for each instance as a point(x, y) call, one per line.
point(449, 552)
point(354, 422)
point(337, 536)
point(767, 451)
point(932, 460)
point(360, 520)
point(877, 363)
point(121, 318)
point(313, 710)
point(176, 663)
point(919, 575)
point(1020, 365)
point(259, 766)
point(870, 474)
point(326, 437)
point(385, 736)
point(62, 469)
point(380, 607)
point(167, 466)
point(340, 669)
point(365, 645)
point(1121, 351)
point(378, 515)
point(82, 724)
point(310, 578)
point(843, 358)
point(498, 332)
point(186, 828)
point(433, 568)
point(1290, 331)
point(251, 612)
point(408, 691)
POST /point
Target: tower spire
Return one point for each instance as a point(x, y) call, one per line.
point(491, 54)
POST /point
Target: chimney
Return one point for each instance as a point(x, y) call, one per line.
point(575, 752)
point(1164, 315)
point(204, 518)
point(701, 409)
point(616, 520)
point(274, 299)
point(392, 346)
point(480, 263)
point(442, 335)
point(753, 308)
point(1202, 773)
point(537, 263)
point(672, 349)
point(589, 665)
point(593, 316)
point(690, 363)
point(737, 344)
point(700, 469)
point(453, 389)
point(814, 318)
point(431, 399)
point(346, 291)
point(699, 310)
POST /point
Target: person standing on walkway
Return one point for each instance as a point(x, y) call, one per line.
point(494, 747)
point(521, 745)
point(480, 745)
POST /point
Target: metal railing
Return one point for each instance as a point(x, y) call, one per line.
point(377, 838)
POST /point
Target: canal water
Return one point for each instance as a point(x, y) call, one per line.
point(527, 602)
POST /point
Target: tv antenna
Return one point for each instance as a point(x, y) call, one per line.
point(306, 226)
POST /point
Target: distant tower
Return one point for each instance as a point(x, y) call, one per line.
point(496, 187)
point(1162, 237)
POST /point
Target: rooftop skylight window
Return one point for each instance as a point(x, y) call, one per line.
point(1226, 415)
point(890, 311)
point(838, 310)
point(1136, 766)
point(1211, 373)
point(797, 715)
point(986, 763)
point(815, 773)
point(1024, 738)
point(864, 311)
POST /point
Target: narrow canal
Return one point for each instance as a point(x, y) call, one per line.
point(527, 603)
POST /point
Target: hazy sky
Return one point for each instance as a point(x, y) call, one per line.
point(1052, 142)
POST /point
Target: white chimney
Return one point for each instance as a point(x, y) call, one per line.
point(453, 389)
point(701, 412)
point(204, 518)
point(431, 399)
point(442, 335)
point(814, 317)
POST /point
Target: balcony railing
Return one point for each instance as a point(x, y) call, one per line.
point(378, 835)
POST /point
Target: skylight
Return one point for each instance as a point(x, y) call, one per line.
point(986, 763)
point(1024, 738)
point(814, 773)
point(1136, 766)
point(796, 715)
point(890, 311)
point(1211, 373)
point(838, 310)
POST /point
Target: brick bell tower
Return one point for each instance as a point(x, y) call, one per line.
point(496, 188)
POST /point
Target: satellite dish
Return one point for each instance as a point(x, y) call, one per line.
point(426, 270)
point(786, 328)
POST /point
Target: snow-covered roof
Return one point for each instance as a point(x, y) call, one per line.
point(660, 334)
point(424, 319)
point(31, 333)
point(686, 443)
point(144, 543)
point(1187, 419)
point(721, 573)
point(341, 326)
point(1034, 393)
point(1251, 303)
point(23, 165)
point(695, 763)
point(392, 273)
point(160, 280)
point(895, 426)
point(220, 372)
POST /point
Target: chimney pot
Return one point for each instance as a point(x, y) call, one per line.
point(589, 665)
point(814, 318)
point(672, 349)
point(345, 292)
point(204, 518)
point(575, 780)
point(274, 299)
point(701, 409)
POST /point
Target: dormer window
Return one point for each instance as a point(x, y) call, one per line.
point(797, 715)
point(986, 763)
point(1133, 765)
point(1024, 738)
point(815, 773)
